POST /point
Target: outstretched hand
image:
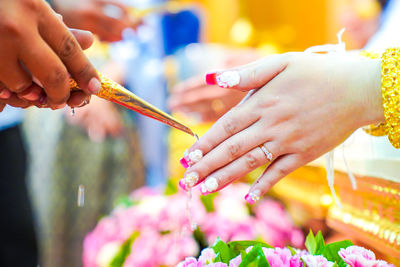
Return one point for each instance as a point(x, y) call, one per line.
point(304, 106)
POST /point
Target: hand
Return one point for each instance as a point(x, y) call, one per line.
point(208, 102)
point(38, 55)
point(307, 104)
point(99, 119)
point(105, 18)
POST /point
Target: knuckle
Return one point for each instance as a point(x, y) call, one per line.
point(281, 171)
point(251, 161)
point(68, 46)
point(32, 4)
point(229, 126)
point(57, 77)
point(10, 27)
point(234, 150)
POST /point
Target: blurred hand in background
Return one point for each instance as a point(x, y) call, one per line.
point(105, 18)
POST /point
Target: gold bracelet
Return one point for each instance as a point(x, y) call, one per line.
point(374, 129)
point(390, 85)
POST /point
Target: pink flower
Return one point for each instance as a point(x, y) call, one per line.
point(190, 262)
point(282, 257)
point(207, 256)
point(217, 264)
point(356, 256)
point(316, 261)
point(235, 262)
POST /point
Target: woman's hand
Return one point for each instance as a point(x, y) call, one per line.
point(208, 103)
point(105, 18)
point(204, 102)
point(38, 55)
point(306, 105)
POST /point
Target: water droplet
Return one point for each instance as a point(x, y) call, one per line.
point(73, 111)
point(81, 196)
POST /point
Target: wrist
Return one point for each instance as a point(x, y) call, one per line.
point(371, 89)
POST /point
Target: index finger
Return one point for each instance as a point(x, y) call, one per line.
point(64, 44)
point(250, 76)
point(234, 121)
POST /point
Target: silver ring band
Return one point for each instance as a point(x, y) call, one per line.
point(266, 152)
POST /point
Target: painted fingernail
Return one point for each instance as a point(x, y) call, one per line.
point(94, 85)
point(32, 96)
point(225, 79)
point(211, 78)
point(5, 94)
point(189, 180)
point(182, 185)
point(209, 185)
point(185, 160)
point(252, 197)
point(191, 158)
point(195, 156)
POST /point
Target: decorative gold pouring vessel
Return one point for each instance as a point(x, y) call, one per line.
point(114, 92)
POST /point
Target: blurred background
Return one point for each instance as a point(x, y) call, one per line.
point(162, 55)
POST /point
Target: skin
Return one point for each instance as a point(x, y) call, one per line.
point(39, 54)
point(89, 15)
point(306, 105)
point(194, 97)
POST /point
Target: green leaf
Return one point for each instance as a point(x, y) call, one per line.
point(200, 238)
point(315, 244)
point(255, 258)
point(331, 251)
point(124, 251)
point(238, 246)
point(319, 239)
point(292, 250)
point(124, 201)
point(311, 243)
point(208, 202)
point(171, 188)
point(224, 253)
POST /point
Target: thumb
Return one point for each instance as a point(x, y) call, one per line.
point(250, 76)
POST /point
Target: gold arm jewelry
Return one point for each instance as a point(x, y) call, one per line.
point(114, 92)
point(390, 85)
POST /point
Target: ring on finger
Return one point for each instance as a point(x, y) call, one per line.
point(266, 152)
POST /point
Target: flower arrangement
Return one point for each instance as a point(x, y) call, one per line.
point(253, 253)
point(153, 227)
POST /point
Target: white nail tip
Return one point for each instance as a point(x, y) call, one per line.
point(228, 79)
point(195, 156)
point(191, 179)
point(210, 184)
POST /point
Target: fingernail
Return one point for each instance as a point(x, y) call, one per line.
point(184, 163)
point(94, 85)
point(228, 79)
point(58, 106)
point(211, 78)
point(5, 94)
point(32, 96)
point(209, 185)
point(42, 100)
point(252, 197)
point(182, 185)
point(195, 156)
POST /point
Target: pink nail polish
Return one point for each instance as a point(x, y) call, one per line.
point(182, 185)
point(211, 78)
point(252, 197)
point(184, 163)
